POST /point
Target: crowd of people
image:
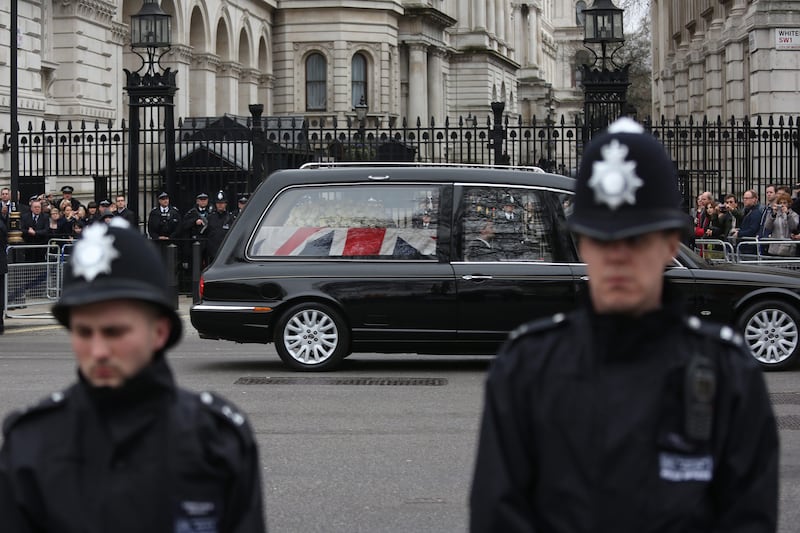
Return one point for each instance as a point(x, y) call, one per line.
point(776, 218)
point(45, 217)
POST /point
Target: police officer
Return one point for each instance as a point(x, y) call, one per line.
point(219, 222)
point(163, 222)
point(626, 415)
point(124, 449)
point(66, 194)
point(195, 225)
point(241, 203)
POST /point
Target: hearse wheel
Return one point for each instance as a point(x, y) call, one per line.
point(772, 333)
point(311, 337)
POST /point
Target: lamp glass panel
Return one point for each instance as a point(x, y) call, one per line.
point(618, 29)
point(589, 28)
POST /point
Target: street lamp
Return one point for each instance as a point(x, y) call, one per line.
point(603, 26)
point(605, 89)
point(151, 30)
point(148, 87)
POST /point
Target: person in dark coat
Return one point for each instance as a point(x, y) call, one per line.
point(194, 227)
point(626, 415)
point(124, 449)
point(219, 222)
point(34, 225)
point(124, 212)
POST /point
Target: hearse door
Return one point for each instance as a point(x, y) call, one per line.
point(510, 273)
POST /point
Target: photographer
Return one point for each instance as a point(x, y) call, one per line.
point(729, 217)
point(781, 223)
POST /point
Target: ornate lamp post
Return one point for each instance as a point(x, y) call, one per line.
point(605, 88)
point(150, 86)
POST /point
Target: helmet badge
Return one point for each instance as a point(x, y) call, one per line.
point(614, 179)
point(93, 252)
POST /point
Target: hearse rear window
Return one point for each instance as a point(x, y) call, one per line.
point(355, 222)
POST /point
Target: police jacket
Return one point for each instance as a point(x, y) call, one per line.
point(163, 224)
point(146, 457)
point(218, 225)
point(585, 429)
point(190, 227)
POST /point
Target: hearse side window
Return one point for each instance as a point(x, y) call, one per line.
point(351, 222)
point(515, 224)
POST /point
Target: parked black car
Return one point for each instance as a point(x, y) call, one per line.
point(436, 259)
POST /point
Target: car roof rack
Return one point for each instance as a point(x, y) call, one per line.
point(346, 164)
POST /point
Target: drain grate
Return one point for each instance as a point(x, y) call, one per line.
point(788, 422)
point(785, 398)
point(320, 380)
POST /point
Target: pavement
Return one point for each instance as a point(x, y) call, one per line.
point(38, 318)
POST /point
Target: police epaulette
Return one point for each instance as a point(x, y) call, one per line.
point(715, 331)
point(225, 411)
point(537, 326)
point(47, 403)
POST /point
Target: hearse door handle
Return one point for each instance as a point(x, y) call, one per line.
point(475, 277)
point(584, 278)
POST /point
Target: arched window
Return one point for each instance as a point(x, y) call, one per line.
point(580, 16)
point(316, 82)
point(359, 80)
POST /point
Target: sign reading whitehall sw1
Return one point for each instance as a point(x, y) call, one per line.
point(787, 39)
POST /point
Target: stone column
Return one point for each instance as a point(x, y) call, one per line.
point(417, 82)
point(265, 86)
point(436, 84)
point(500, 20)
point(202, 85)
point(248, 90)
point(180, 59)
point(479, 11)
point(533, 35)
point(227, 87)
point(491, 13)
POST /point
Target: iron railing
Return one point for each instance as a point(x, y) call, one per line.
point(234, 153)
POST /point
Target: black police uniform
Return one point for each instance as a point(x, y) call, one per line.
point(218, 225)
point(193, 232)
point(148, 457)
point(645, 421)
point(584, 431)
point(144, 456)
point(163, 223)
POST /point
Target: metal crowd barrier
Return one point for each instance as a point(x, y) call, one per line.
point(715, 250)
point(35, 278)
point(752, 251)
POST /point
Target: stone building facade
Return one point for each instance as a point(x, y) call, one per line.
point(409, 58)
point(725, 58)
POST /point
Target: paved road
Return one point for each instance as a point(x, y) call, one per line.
point(363, 449)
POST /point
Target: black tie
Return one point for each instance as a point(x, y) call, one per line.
point(35, 218)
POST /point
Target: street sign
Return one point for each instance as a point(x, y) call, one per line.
point(787, 39)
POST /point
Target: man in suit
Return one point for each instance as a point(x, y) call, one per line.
point(124, 212)
point(34, 225)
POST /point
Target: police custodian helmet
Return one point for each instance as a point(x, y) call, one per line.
point(626, 186)
point(111, 262)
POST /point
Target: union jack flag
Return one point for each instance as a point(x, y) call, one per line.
point(345, 242)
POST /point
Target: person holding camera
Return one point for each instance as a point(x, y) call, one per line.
point(781, 223)
point(729, 216)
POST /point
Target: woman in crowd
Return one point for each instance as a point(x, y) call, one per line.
point(781, 222)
